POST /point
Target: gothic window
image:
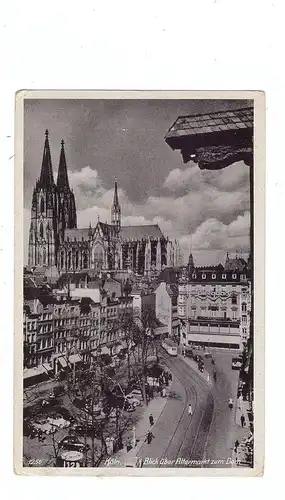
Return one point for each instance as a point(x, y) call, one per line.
point(69, 260)
point(76, 260)
point(42, 205)
point(62, 260)
point(44, 256)
point(41, 230)
point(85, 261)
point(98, 256)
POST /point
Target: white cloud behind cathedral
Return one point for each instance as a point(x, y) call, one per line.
point(207, 210)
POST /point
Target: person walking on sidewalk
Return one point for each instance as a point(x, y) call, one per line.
point(151, 420)
point(242, 421)
point(149, 437)
point(190, 411)
point(236, 446)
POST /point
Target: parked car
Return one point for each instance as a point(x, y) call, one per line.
point(189, 353)
point(236, 363)
point(201, 367)
point(208, 354)
point(136, 393)
point(197, 358)
point(132, 400)
point(72, 443)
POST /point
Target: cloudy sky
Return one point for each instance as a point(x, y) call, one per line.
point(207, 211)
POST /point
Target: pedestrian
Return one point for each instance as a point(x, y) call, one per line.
point(242, 420)
point(129, 444)
point(149, 437)
point(170, 376)
point(236, 446)
point(151, 420)
point(163, 392)
point(215, 375)
point(190, 411)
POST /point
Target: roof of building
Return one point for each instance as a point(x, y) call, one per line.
point(169, 275)
point(76, 234)
point(31, 293)
point(47, 300)
point(140, 232)
point(212, 122)
point(237, 264)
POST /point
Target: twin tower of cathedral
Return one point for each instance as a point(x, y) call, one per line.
point(54, 239)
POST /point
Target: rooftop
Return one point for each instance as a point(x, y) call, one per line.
point(220, 121)
point(140, 232)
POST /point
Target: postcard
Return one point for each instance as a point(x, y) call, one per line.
point(139, 283)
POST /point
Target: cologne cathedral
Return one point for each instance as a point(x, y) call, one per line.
point(55, 240)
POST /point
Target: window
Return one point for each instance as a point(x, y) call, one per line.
point(244, 331)
point(224, 276)
point(42, 205)
point(234, 300)
point(194, 276)
point(213, 276)
point(243, 307)
point(234, 276)
point(203, 276)
point(244, 319)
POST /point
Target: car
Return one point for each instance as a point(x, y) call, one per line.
point(72, 443)
point(189, 353)
point(197, 358)
point(236, 363)
point(133, 400)
point(84, 430)
point(208, 354)
point(136, 393)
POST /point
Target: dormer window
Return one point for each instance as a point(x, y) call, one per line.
point(224, 276)
point(234, 276)
point(203, 276)
point(194, 276)
point(213, 276)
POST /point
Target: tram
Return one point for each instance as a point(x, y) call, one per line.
point(169, 346)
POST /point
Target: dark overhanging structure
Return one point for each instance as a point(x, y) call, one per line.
point(215, 141)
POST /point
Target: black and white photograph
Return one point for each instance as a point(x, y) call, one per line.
point(137, 347)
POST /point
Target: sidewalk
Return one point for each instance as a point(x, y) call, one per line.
point(242, 408)
point(155, 406)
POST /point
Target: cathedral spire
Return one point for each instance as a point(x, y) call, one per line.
point(116, 199)
point(62, 178)
point(46, 178)
point(116, 209)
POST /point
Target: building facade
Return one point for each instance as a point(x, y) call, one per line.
point(213, 307)
point(166, 296)
point(54, 239)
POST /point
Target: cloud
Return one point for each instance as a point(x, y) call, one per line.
point(213, 234)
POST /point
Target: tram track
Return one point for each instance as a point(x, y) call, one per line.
point(205, 399)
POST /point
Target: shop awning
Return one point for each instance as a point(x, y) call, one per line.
point(74, 358)
point(36, 370)
point(62, 361)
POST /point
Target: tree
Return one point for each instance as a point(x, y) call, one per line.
point(138, 334)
